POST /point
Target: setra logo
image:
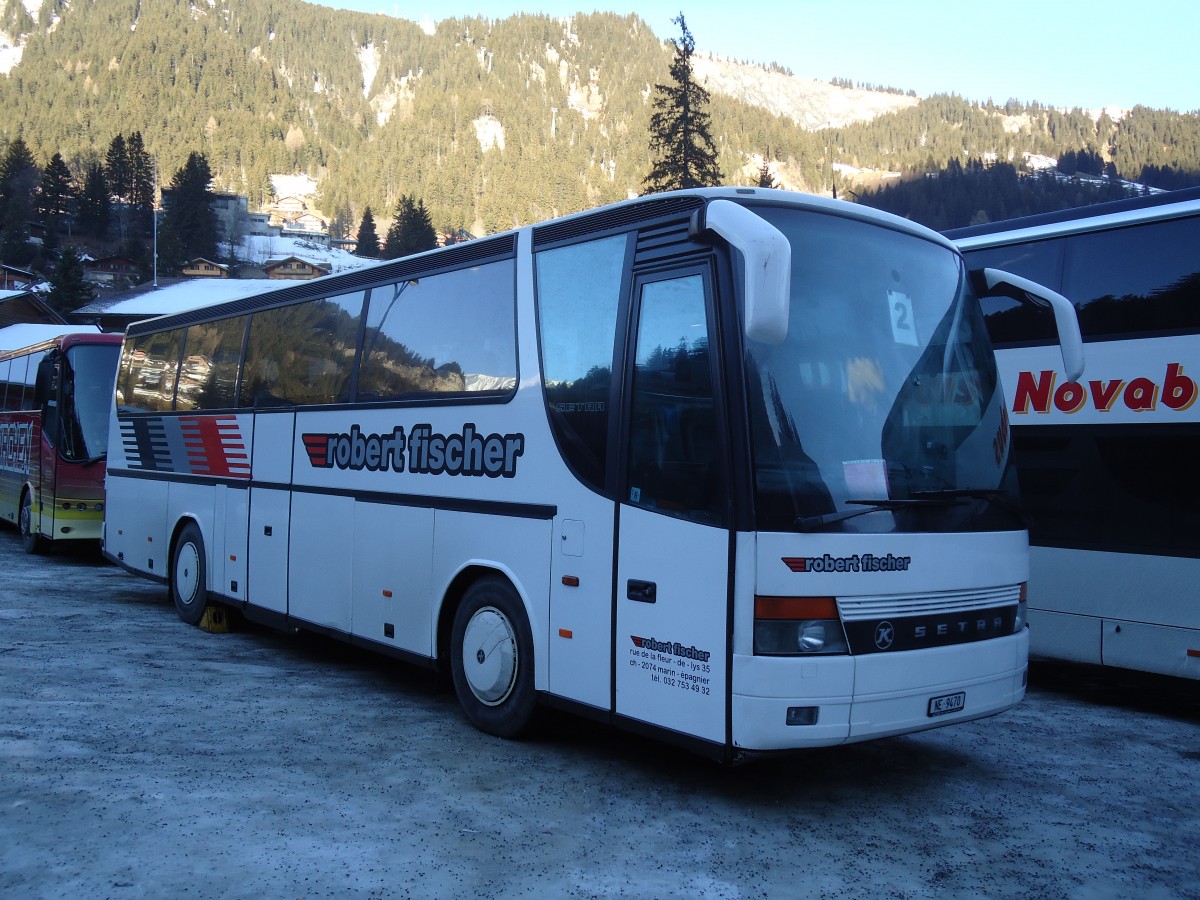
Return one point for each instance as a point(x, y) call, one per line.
point(885, 635)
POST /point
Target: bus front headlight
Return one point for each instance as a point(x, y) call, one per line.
point(797, 626)
point(1021, 619)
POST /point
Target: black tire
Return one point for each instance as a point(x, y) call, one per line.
point(491, 659)
point(30, 540)
point(189, 589)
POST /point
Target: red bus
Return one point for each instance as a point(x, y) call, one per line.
point(54, 398)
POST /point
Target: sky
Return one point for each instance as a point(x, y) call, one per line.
point(1057, 53)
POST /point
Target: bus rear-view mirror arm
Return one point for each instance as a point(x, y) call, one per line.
point(768, 265)
point(1070, 341)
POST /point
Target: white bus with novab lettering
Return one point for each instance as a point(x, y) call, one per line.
point(728, 467)
point(1108, 466)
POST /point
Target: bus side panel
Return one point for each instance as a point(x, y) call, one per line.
point(1075, 638)
point(1113, 586)
point(15, 445)
point(518, 548)
point(267, 549)
point(393, 553)
point(1078, 599)
point(236, 509)
point(1152, 648)
point(581, 600)
point(320, 565)
point(135, 530)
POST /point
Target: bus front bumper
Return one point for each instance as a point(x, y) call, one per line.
point(837, 700)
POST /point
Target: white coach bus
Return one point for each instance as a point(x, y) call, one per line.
point(1109, 467)
point(729, 467)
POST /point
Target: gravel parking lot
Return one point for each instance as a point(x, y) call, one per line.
point(140, 757)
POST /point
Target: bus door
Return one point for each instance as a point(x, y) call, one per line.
point(270, 510)
point(673, 550)
point(43, 456)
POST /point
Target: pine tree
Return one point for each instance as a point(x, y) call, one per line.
point(69, 290)
point(765, 178)
point(19, 178)
point(684, 151)
point(423, 234)
point(189, 228)
point(94, 203)
point(368, 238)
point(54, 201)
point(412, 230)
point(116, 169)
point(56, 193)
point(141, 181)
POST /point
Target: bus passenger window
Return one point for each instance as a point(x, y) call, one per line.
point(303, 353)
point(149, 367)
point(450, 333)
point(211, 359)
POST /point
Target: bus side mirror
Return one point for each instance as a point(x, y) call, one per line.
point(44, 385)
point(767, 285)
point(1070, 341)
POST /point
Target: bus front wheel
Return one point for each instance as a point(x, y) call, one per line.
point(491, 659)
point(30, 539)
point(188, 587)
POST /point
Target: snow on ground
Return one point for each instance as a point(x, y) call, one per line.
point(293, 185)
point(140, 757)
point(257, 249)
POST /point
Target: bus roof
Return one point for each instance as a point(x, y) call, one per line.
point(18, 340)
point(1162, 205)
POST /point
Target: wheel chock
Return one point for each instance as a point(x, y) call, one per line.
point(215, 620)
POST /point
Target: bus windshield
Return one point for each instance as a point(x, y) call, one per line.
point(880, 411)
point(87, 386)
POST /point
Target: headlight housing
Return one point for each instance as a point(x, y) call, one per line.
point(797, 626)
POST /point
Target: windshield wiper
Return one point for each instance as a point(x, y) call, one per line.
point(816, 523)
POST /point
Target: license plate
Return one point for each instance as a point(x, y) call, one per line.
point(947, 703)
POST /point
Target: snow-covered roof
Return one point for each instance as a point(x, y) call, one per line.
point(195, 293)
point(192, 293)
point(14, 337)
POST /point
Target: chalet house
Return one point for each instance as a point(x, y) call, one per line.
point(111, 271)
point(285, 205)
point(26, 308)
point(205, 268)
point(348, 244)
point(295, 269)
point(14, 279)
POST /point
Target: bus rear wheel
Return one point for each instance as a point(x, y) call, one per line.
point(491, 659)
point(30, 539)
point(188, 585)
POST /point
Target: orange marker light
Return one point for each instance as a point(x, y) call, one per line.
point(795, 608)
